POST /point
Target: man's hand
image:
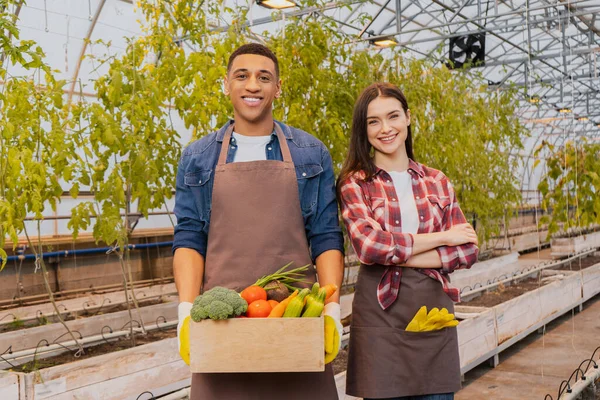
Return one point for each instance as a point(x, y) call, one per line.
point(461, 234)
point(183, 331)
point(333, 331)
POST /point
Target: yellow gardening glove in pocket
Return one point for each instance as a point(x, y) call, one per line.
point(183, 331)
point(418, 320)
point(333, 331)
point(433, 320)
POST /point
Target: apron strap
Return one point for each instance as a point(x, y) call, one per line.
point(285, 150)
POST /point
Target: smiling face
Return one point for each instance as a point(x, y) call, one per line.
point(387, 125)
point(252, 84)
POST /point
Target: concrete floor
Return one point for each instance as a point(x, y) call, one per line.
point(536, 365)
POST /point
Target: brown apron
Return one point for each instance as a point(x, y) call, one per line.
point(256, 227)
point(386, 361)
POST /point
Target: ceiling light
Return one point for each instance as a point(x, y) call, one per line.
point(276, 4)
point(583, 119)
point(564, 110)
point(534, 99)
point(387, 41)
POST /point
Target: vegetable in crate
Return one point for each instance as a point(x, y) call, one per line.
point(253, 293)
point(218, 303)
point(294, 308)
point(315, 302)
point(277, 291)
point(285, 278)
point(279, 309)
point(259, 309)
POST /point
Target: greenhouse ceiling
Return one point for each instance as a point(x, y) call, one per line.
point(548, 49)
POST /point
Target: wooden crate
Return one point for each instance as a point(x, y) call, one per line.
point(258, 345)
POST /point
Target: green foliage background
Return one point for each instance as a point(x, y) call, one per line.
point(570, 186)
point(131, 148)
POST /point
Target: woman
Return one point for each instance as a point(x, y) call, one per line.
point(409, 233)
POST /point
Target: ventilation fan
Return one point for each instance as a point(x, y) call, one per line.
point(467, 50)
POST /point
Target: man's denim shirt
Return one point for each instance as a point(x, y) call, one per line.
point(316, 186)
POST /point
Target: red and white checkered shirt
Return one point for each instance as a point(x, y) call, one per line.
point(371, 213)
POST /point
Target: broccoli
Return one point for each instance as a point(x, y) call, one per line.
point(218, 303)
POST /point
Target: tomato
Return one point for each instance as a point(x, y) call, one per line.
point(253, 293)
point(259, 309)
point(273, 303)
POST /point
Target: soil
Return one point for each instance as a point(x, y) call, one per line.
point(504, 293)
point(104, 348)
point(580, 264)
point(341, 361)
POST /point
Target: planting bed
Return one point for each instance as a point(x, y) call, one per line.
point(562, 247)
point(155, 367)
point(581, 264)
point(105, 348)
point(80, 305)
point(477, 336)
point(590, 275)
point(504, 293)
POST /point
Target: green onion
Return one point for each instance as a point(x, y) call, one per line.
point(285, 277)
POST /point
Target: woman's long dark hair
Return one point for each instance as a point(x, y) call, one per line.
point(359, 152)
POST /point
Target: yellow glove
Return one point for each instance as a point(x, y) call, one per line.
point(418, 320)
point(333, 331)
point(434, 320)
point(183, 331)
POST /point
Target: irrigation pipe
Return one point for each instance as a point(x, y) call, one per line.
point(581, 384)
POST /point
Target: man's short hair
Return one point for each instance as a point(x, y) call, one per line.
point(254, 48)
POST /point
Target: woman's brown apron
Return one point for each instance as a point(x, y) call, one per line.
point(386, 361)
point(256, 227)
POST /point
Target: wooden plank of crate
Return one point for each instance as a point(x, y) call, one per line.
point(591, 281)
point(476, 336)
point(565, 293)
point(126, 387)
point(9, 385)
point(114, 375)
point(90, 302)
point(29, 337)
point(516, 315)
point(257, 345)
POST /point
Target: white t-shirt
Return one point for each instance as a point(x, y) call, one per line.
point(408, 206)
point(250, 148)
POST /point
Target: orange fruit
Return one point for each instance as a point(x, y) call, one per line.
point(273, 303)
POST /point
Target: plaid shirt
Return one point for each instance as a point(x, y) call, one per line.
point(371, 214)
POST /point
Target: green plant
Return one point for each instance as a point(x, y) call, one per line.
point(571, 182)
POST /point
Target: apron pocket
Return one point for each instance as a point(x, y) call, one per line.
point(390, 362)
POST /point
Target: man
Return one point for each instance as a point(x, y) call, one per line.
point(250, 198)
